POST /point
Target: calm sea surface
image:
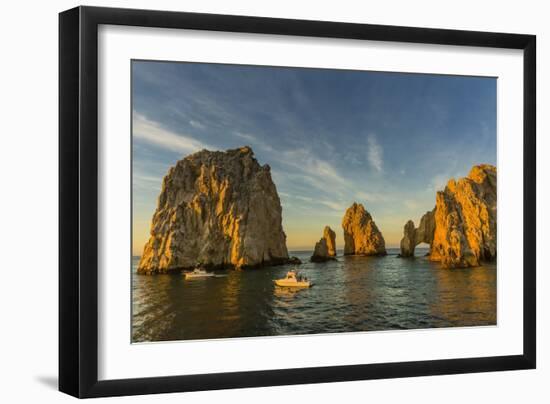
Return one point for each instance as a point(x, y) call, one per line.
point(351, 294)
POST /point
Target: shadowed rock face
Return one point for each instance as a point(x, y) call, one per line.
point(408, 242)
point(325, 249)
point(466, 220)
point(320, 253)
point(330, 236)
point(361, 235)
point(218, 209)
point(462, 228)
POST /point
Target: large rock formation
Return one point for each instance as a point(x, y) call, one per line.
point(361, 236)
point(325, 249)
point(217, 209)
point(466, 220)
point(462, 228)
point(413, 236)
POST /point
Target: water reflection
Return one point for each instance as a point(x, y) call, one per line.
point(152, 321)
point(350, 294)
point(465, 297)
point(286, 293)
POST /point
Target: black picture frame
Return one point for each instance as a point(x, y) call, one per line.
point(78, 201)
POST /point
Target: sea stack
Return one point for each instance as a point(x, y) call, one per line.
point(462, 228)
point(361, 235)
point(325, 248)
point(408, 242)
point(216, 209)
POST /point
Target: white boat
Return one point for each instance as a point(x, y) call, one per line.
point(198, 273)
point(293, 280)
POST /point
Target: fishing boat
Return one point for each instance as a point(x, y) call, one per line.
point(198, 273)
point(293, 280)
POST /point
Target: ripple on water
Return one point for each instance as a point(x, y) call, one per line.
point(350, 294)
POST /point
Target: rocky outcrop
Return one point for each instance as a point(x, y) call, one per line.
point(320, 253)
point(466, 220)
point(216, 209)
point(325, 249)
point(413, 236)
point(408, 242)
point(462, 228)
point(361, 235)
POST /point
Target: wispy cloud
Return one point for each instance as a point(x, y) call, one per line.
point(153, 133)
point(318, 173)
point(371, 196)
point(246, 136)
point(146, 182)
point(337, 206)
point(375, 153)
point(146, 178)
point(304, 198)
point(196, 124)
point(352, 158)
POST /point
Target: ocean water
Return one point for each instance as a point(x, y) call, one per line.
point(351, 294)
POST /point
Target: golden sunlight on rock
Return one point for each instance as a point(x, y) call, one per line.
point(361, 235)
point(462, 228)
point(217, 209)
point(466, 220)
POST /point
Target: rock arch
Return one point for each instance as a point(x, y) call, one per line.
point(413, 236)
point(462, 228)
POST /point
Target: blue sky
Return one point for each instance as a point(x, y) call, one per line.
point(331, 137)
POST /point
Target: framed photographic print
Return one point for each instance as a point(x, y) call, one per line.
point(250, 201)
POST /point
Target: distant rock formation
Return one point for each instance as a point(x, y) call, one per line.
point(413, 236)
point(325, 249)
point(361, 236)
point(462, 228)
point(217, 209)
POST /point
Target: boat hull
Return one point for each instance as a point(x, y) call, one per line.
point(289, 284)
point(194, 276)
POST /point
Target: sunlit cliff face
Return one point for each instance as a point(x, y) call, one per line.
point(466, 220)
point(361, 235)
point(218, 209)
